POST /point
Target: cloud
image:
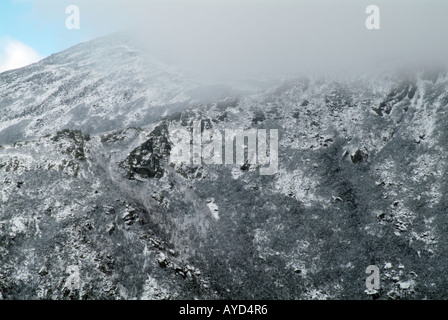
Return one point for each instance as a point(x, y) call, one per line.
point(14, 54)
point(221, 37)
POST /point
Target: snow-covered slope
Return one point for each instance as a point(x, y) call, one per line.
point(95, 86)
point(104, 213)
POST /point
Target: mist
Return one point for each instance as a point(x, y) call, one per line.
point(252, 37)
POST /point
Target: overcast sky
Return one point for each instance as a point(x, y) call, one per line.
point(244, 36)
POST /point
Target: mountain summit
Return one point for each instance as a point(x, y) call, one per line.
point(96, 87)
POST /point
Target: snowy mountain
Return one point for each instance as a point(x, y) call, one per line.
point(95, 86)
point(92, 206)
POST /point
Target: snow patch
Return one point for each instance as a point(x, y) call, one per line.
point(213, 208)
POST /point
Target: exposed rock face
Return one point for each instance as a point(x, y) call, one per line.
point(145, 160)
point(103, 213)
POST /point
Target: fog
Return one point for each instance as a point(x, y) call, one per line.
point(249, 37)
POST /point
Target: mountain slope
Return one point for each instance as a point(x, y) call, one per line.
point(106, 214)
point(96, 87)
